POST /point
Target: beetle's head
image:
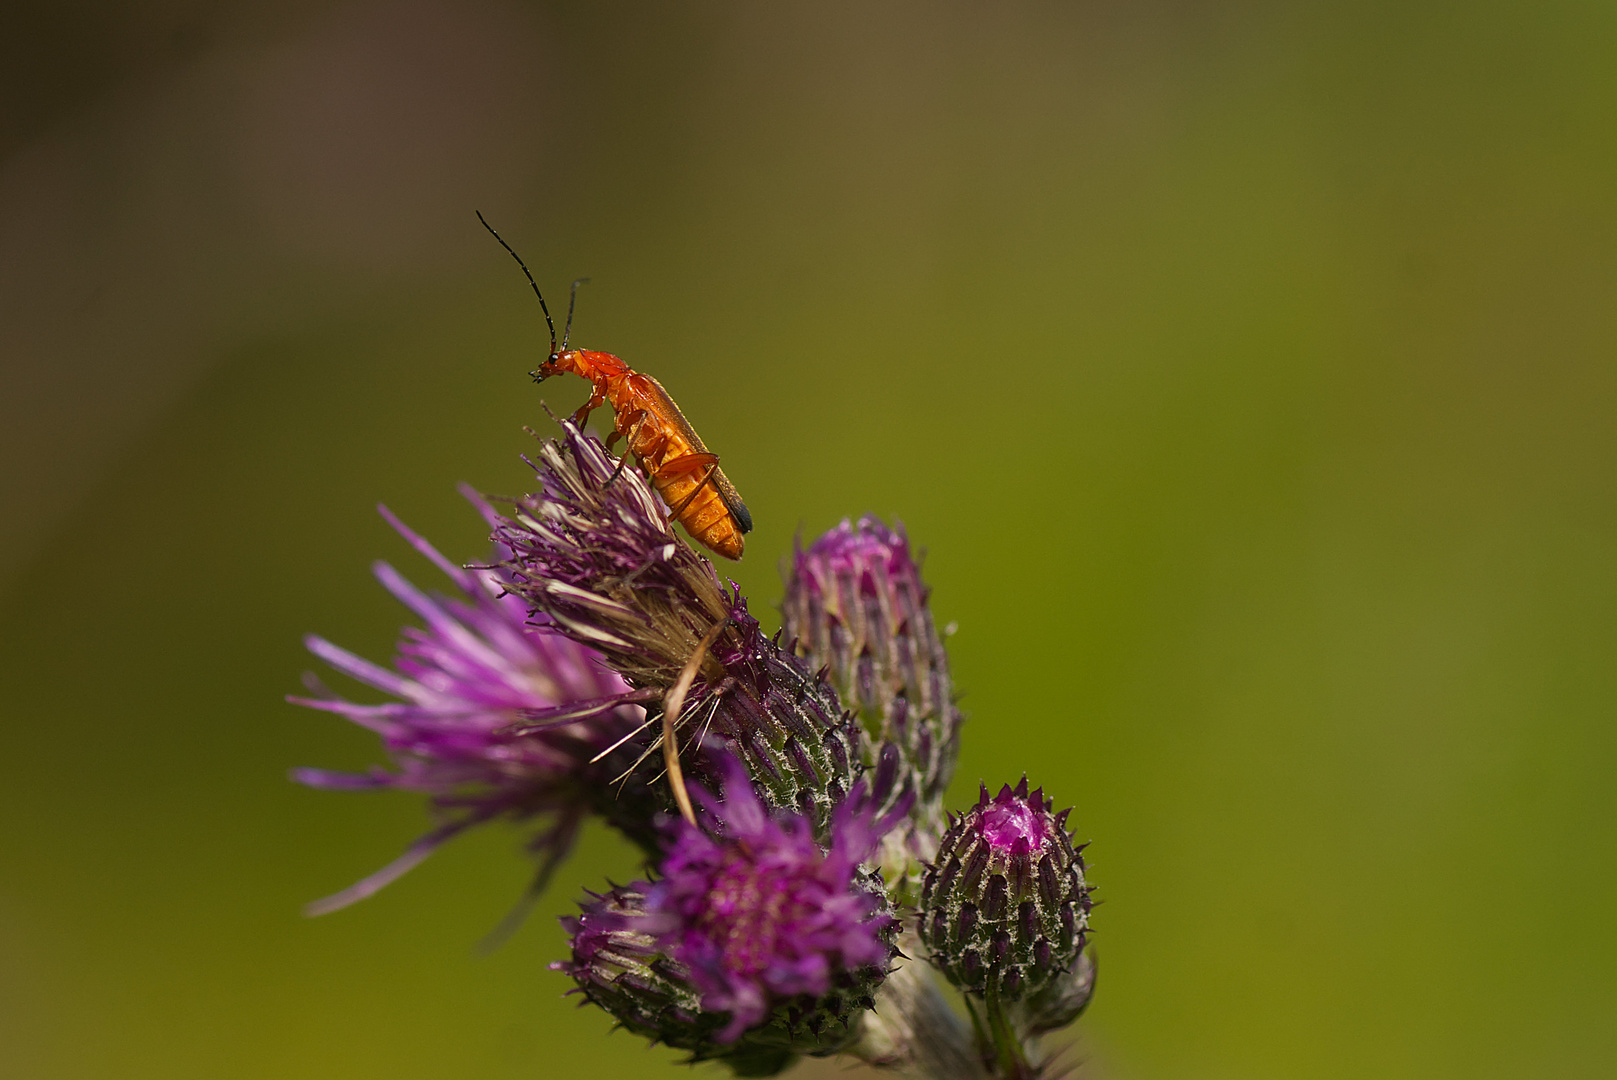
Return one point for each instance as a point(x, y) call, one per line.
point(546, 369)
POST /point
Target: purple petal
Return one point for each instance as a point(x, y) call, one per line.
point(356, 668)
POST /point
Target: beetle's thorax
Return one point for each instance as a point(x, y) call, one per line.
point(590, 364)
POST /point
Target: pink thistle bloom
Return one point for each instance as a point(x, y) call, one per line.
point(758, 912)
point(477, 666)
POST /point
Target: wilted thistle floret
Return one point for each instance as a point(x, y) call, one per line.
point(855, 604)
point(594, 551)
point(1005, 908)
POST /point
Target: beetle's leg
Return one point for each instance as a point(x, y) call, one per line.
point(597, 399)
point(687, 463)
point(655, 447)
point(630, 420)
point(628, 446)
point(675, 511)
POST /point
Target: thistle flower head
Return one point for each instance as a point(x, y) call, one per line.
point(855, 604)
point(1005, 908)
point(538, 688)
point(475, 667)
point(760, 914)
point(595, 553)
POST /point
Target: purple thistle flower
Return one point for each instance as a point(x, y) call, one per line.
point(855, 603)
point(595, 553)
point(759, 913)
point(476, 667)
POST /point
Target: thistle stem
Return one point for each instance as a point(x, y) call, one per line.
point(914, 1030)
point(1009, 1052)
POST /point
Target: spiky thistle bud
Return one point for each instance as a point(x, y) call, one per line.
point(1004, 907)
point(855, 603)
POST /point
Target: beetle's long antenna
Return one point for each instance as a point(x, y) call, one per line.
point(535, 284)
point(572, 299)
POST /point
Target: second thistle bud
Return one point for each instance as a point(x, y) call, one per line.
point(856, 604)
point(1004, 907)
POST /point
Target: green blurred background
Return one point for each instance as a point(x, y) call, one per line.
point(1246, 370)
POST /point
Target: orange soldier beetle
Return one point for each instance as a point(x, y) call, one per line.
point(682, 469)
